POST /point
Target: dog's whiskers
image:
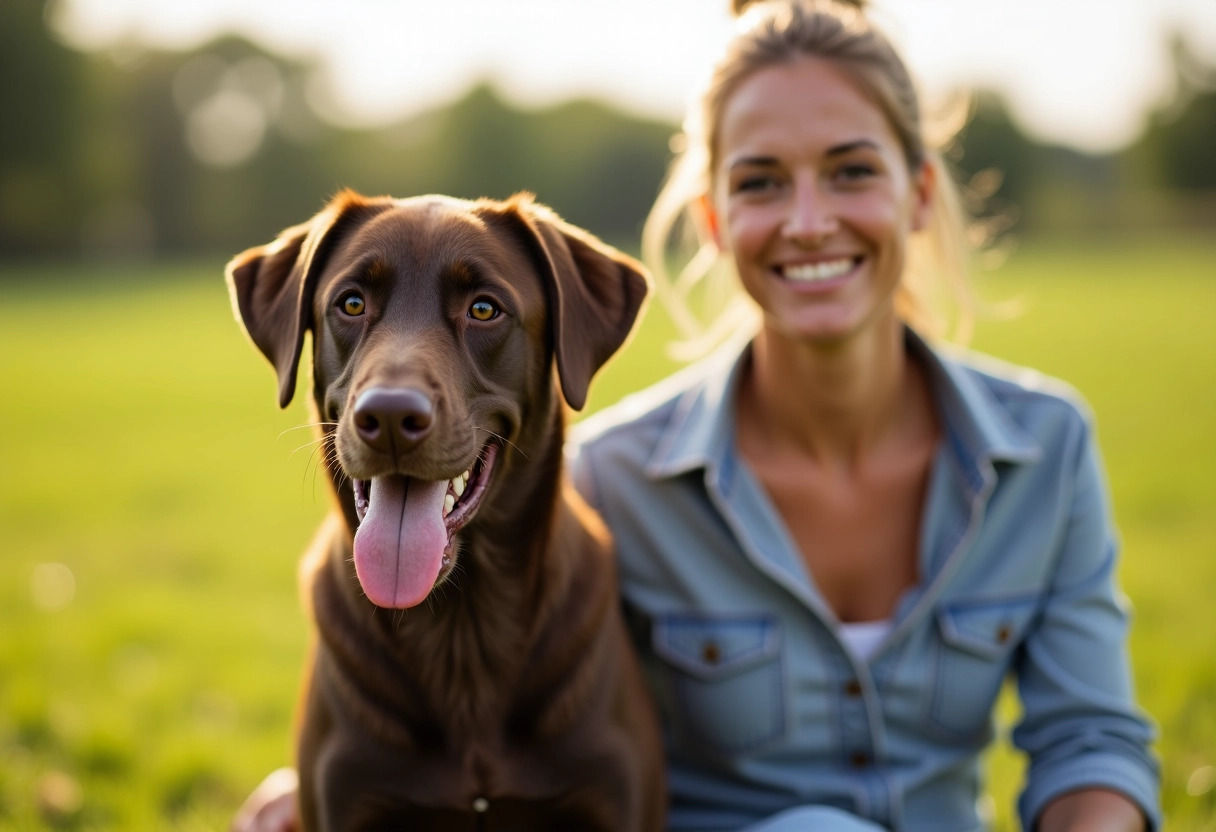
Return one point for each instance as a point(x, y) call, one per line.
point(314, 459)
point(310, 466)
point(328, 457)
point(308, 425)
point(316, 441)
point(331, 460)
point(503, 439)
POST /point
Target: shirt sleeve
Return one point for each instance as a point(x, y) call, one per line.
point(1080, 726)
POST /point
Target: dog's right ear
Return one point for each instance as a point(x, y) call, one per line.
point(272, 285)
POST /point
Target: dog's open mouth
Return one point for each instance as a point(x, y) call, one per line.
point(407, 528)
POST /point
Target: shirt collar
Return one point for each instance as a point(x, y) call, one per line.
point(977, 424)
point(700, 433)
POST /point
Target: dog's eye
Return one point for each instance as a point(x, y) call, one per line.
point(353, 304)
point(483, 310)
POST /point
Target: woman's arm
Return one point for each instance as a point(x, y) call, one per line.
point(1091, 810)
point(1088, 743)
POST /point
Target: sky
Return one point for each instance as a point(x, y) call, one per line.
point(1078, 72)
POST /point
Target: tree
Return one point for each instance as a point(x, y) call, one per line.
point(1178, 150)
point(41, 84)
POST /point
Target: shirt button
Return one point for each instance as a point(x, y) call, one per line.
point(711, 653)
point(859, 759)
point(1003, 633)
point(852, 688)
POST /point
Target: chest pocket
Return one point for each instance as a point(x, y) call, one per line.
point(970, 660)
point(726, 679)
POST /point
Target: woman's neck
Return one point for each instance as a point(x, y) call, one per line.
point(833, 403)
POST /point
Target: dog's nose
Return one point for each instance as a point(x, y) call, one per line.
point(393, 420)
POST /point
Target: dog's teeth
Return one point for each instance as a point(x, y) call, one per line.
point(458, 485)
point(448, 503)
point(465, 477)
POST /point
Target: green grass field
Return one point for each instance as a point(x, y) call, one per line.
point(154, 502)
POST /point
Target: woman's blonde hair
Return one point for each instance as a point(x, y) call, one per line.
point(934, 287)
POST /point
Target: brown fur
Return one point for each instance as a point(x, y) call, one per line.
point(512, 685)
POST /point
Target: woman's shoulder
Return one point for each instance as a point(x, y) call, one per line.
point(1015, 383)
point(1043, 406)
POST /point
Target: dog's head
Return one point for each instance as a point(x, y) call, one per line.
point(437, 324)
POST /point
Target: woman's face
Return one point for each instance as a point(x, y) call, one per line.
point(814, 200)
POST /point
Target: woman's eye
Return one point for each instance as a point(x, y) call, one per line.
point(755, 184)
point(483, 310)
point(353, 304)
point(854, 173)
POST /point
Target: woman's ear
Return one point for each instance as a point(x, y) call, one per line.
point(924, 188)
point(706, 217)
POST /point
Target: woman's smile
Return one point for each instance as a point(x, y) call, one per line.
point(822, 274)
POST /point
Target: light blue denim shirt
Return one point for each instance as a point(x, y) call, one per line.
point(771, 723)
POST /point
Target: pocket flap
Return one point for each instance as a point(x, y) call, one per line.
point(714, 647)
point(985, 628)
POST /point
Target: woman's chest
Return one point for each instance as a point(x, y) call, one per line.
point(858, 537)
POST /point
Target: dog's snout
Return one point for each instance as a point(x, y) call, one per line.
point(393, 421)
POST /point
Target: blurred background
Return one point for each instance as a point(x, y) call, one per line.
point(154, 501)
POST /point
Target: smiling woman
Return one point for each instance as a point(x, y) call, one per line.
point(840, 521)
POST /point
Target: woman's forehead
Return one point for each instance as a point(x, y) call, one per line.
point(809, 105)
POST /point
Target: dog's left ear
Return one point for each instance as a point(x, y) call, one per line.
point(595, 293)
point(272, 285)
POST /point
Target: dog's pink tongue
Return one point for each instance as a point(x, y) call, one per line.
point(400, 542)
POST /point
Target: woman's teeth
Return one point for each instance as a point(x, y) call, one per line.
point(811, 272)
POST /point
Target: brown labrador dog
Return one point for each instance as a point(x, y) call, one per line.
point(472, 670)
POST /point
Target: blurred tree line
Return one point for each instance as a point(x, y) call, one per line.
point(135, 153)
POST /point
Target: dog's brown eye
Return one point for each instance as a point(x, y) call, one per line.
point(353, 304)
point(483, 310)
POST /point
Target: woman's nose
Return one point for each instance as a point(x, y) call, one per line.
point(811, 217)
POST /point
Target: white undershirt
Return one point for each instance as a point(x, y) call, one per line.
point(863, 637)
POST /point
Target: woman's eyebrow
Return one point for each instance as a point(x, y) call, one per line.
point(849, 147)
point(835, 150)
point(753, 161)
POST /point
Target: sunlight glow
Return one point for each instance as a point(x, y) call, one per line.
point(52, 586)
point(1083, 72)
